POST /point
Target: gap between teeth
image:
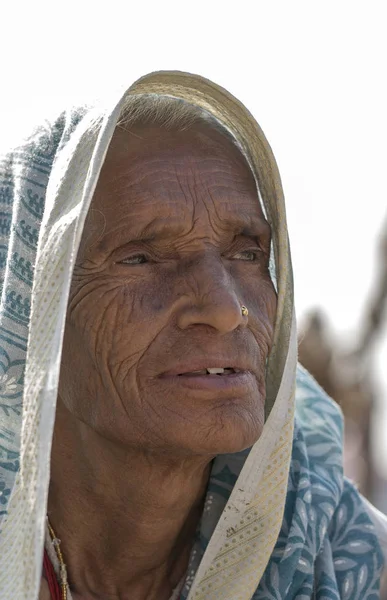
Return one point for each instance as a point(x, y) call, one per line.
point(214, 371)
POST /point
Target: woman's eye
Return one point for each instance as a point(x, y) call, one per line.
point(136, 259)
point(247, 255)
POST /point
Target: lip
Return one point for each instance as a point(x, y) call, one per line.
point(204, 363)
point(180, 375)
point(235, 383)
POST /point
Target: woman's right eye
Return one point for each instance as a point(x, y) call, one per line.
point(136, 259)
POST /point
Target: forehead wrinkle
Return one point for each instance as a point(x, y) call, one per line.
point(172, 204)
point(180, 184)
point(161, 229)
point(230, 207)
point(146, 166)
point(128, 168)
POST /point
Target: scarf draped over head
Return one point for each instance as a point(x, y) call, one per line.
point(249, 543)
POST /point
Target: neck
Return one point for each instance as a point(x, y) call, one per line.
point(126, 519)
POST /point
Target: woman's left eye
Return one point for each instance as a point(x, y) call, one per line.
point(247, 255)
point(136, 259)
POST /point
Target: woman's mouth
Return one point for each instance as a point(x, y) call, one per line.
point(211, 371)
point(230, 380)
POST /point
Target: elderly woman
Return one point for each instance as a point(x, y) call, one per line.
point(157, 439)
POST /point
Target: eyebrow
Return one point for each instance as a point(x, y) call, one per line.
point(164, 229)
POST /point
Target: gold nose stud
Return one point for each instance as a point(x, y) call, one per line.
point(244, 311)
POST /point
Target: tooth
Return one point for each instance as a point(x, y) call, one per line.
point(215, 370)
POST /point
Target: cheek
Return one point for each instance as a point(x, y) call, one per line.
point(118, 320)
point(269, 301)
point(256, 290)
point(263, 308)
point(262, 300)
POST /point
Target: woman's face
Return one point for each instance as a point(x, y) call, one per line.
point(174, 243)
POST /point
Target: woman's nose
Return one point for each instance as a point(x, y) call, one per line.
point(214, 304)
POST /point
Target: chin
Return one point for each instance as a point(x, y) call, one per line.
point(232, 444)
point(231, 431)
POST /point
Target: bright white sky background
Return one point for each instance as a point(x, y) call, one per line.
point(312, 73)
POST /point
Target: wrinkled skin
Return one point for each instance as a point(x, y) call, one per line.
point(175, 242)
point(144, 296)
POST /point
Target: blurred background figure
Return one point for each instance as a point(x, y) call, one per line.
point(348, 376)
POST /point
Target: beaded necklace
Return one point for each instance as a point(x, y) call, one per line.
point(57, 593)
